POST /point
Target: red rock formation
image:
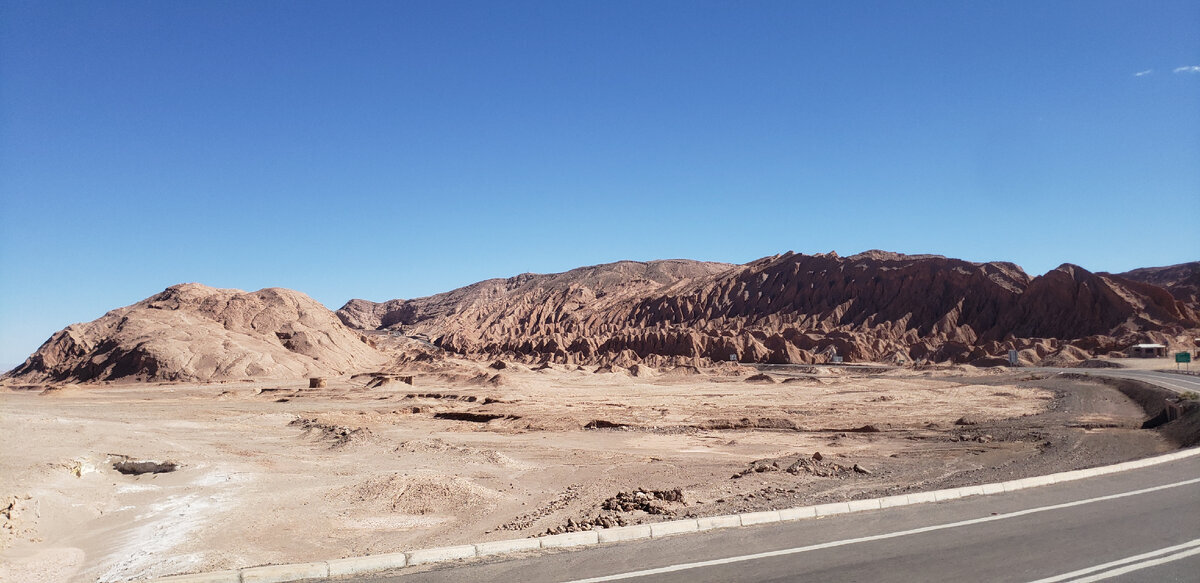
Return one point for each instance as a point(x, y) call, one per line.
point(528, 304)
point(874, 306)
point(1070, 302)
point(1182, 280)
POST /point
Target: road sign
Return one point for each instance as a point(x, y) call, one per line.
point(1183, 357)
point(1013, 358)
point(732, 358)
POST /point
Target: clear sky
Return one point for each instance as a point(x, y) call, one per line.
point(398, 149)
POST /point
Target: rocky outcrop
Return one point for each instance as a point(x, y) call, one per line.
point(1071, 302)
point(528, 304)
point(874, 306)
point(192, 332)
point(1182, 280)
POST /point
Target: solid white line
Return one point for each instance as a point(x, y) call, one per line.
point(1117, 563)
point(832, 544)
point(1137, 567)
point(1175, 384)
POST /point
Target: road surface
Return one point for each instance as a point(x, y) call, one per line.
point(1142, 525)
point(1178, 383)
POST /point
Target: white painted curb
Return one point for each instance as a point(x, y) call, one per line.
point(623, 533)
point(713, 522)
point(570, 539)
point(370, 564)
point(282, 573)
point(440, 554)
point(658, 529)
point(766, 517)
point(213, 577)
point(376, 563)
point(507, 546)
point(798, 513)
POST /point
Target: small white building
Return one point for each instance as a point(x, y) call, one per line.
point(1148, 351)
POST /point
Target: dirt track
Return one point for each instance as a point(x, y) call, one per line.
point(273, 473)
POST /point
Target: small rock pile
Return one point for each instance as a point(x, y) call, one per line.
point(648, 501)
point(612, 510)
point(335, 435)
point(814, 465)
point(601, 521)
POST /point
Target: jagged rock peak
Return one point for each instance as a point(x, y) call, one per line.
point(584, 288)
point(786, 308)
point(880, 255)
point(789, 308)
point(1181, 280)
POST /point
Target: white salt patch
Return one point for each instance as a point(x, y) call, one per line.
point(131, 488)
point(145, 549)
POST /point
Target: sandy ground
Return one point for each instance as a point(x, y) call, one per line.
point(278, 472)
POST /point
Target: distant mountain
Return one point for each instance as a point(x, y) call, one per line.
point(875, 306)
point(789, 308)
point(519, 302)
point(192, 332)
point(1182, 280)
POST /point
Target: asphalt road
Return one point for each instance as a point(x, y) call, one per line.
point(1178, 383)
point(1146, 522)
point(1142, 525)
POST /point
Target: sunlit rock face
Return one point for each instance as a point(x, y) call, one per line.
point(874, 306)
point(191, 332)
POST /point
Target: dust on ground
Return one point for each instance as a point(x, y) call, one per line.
point(238, 474)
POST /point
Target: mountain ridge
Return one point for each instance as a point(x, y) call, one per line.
point(788, 308)
point(875, 305)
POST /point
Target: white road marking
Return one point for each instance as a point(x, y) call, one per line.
point(1136, 567)
point(1178, 384)
point(840, 543)
point(1171, 382)
point(1192, 544)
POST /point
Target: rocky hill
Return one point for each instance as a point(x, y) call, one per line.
point(518, 306)
point(874, 306)
point(192, 332)
point(1182, 280)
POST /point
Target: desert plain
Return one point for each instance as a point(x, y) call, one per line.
point(276, 472)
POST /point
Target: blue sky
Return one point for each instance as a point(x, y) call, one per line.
point(399, 149)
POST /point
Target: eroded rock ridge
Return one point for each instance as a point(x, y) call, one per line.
point(791, 308)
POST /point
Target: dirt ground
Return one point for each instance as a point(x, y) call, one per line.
point(277, 472)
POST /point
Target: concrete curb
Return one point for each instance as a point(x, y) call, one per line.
point(440, 554)
point(282, 573)
point(213, 577)
point(571, 539)
point(766, 517)
point(507, 546)
point(658, 529)
point(376, 563)
point(715, 522)
point(369, 564)
point(623, 533)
